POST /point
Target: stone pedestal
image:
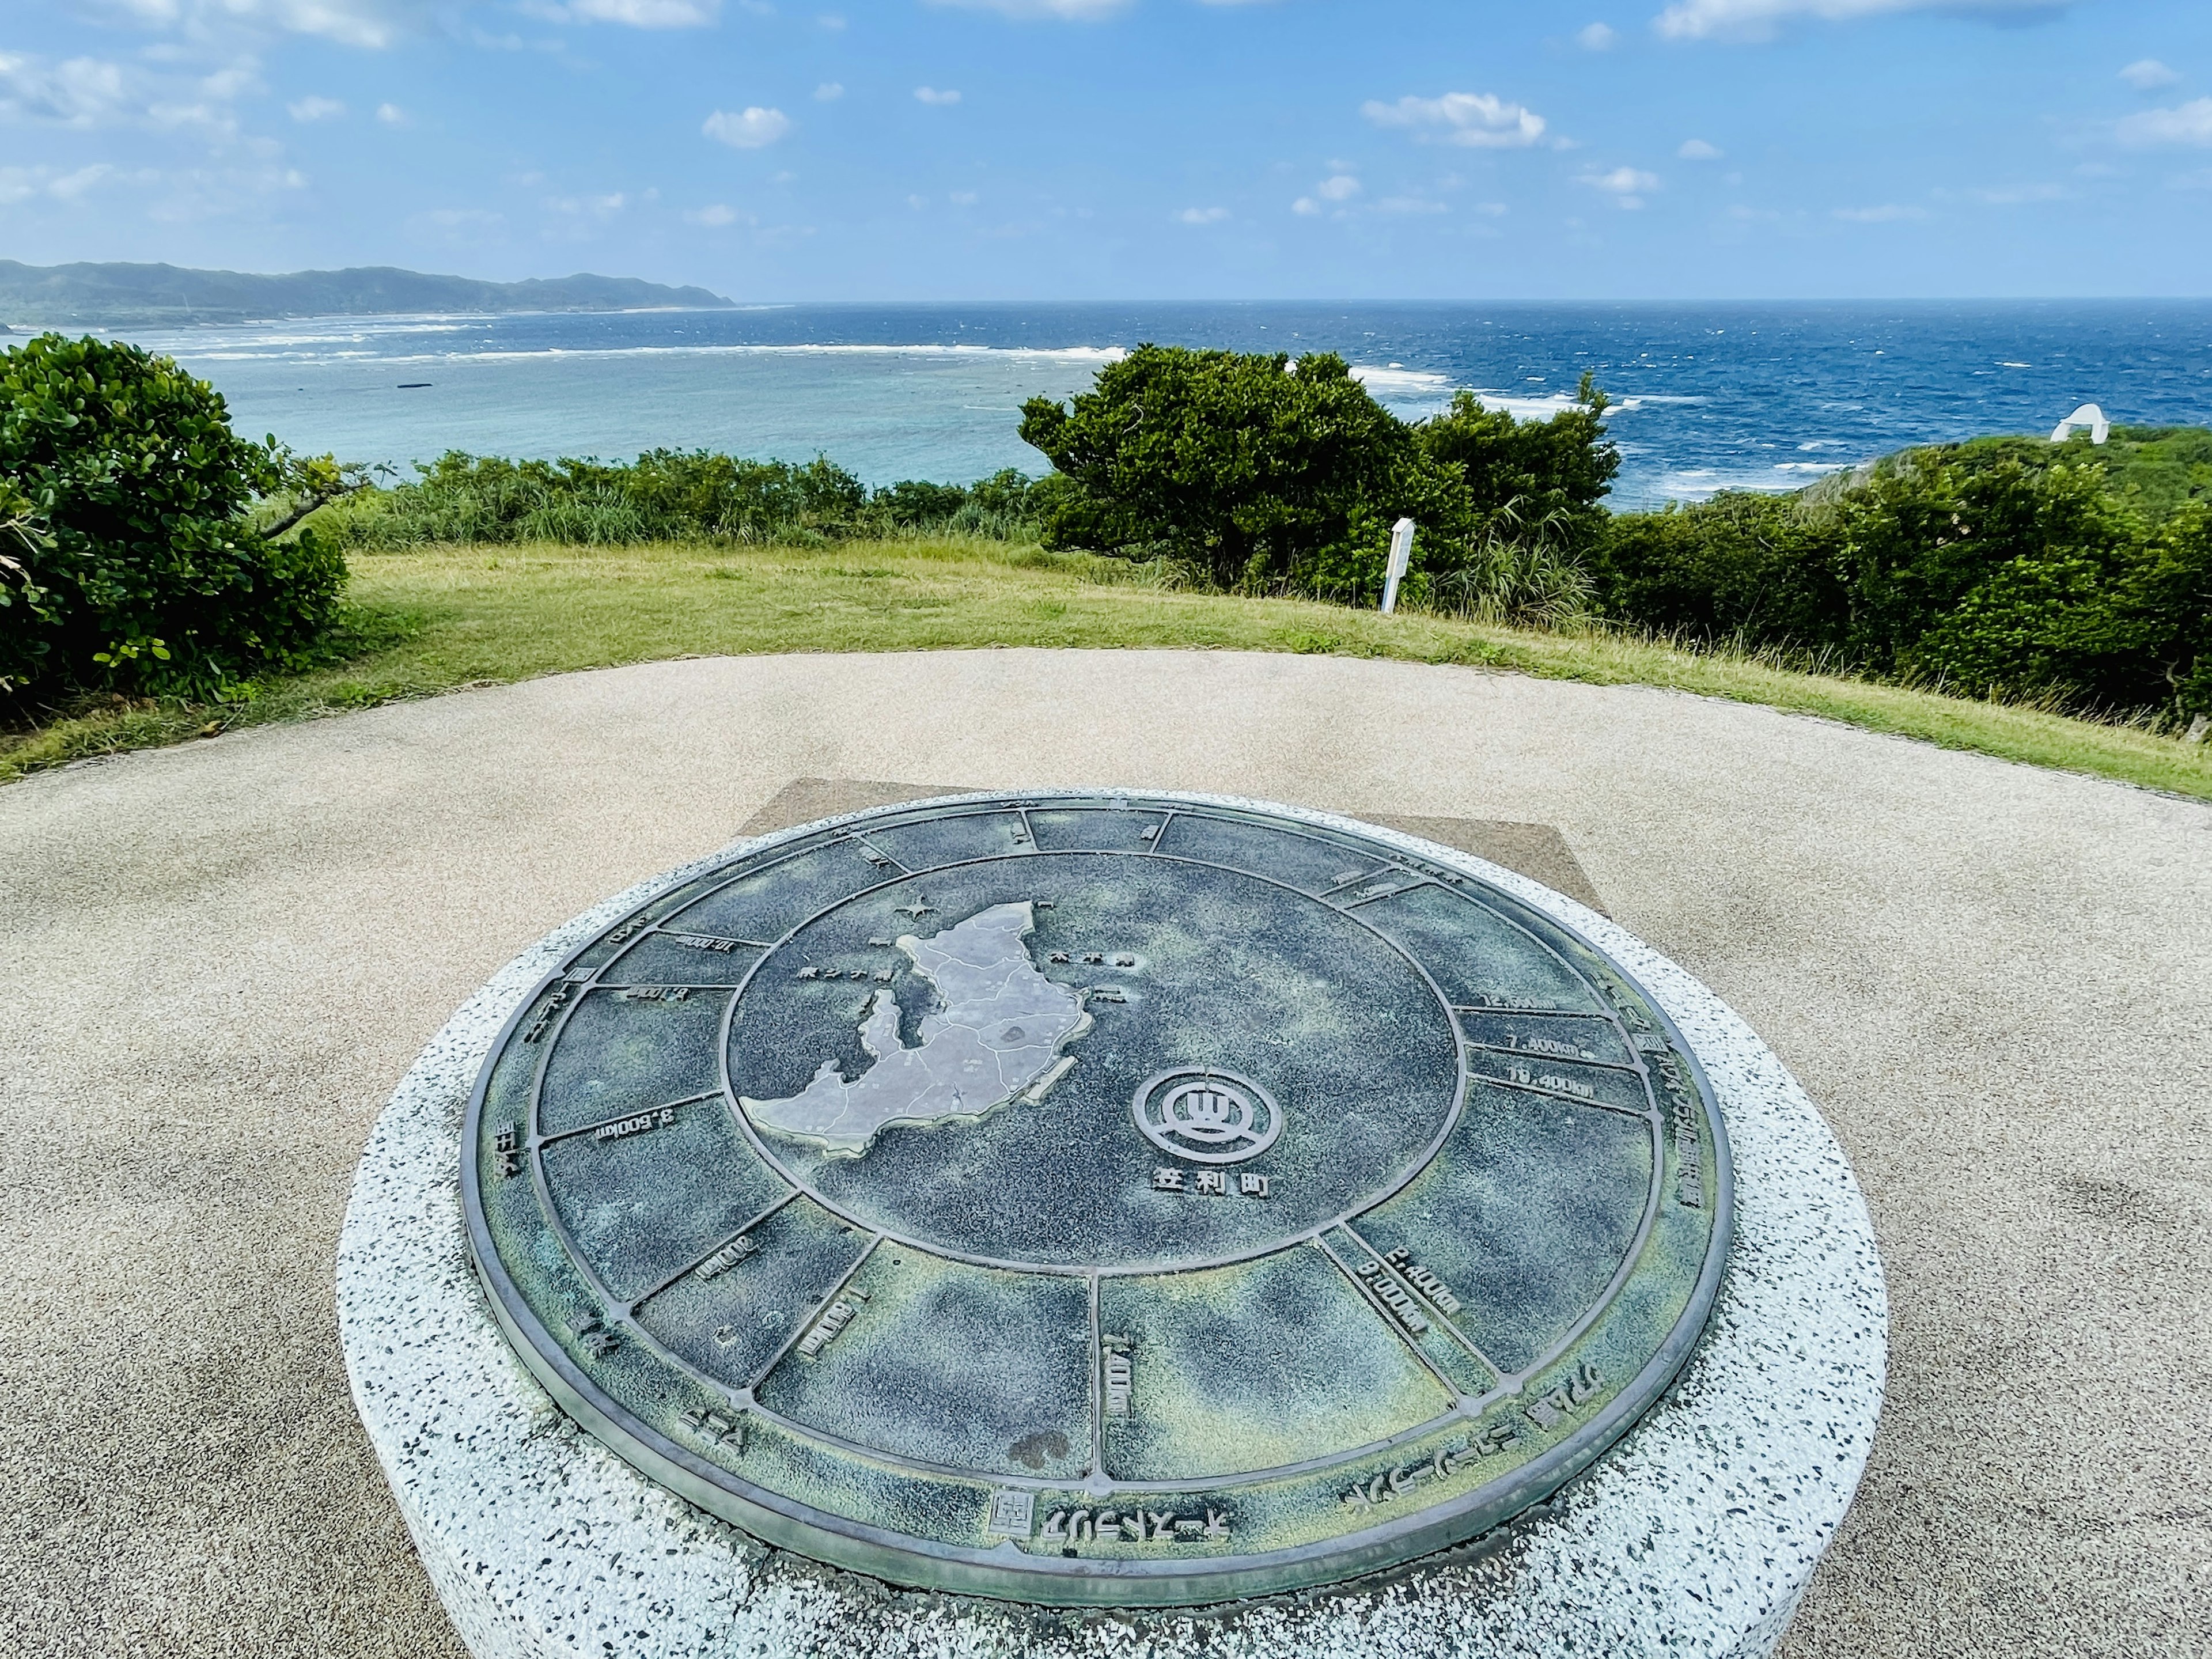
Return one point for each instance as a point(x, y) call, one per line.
point(1695, 1535)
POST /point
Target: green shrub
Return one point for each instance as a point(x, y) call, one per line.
point(2005, 568)
point(136, 564)
point(671, 495)
point(1258, 473)
point(1529, 484)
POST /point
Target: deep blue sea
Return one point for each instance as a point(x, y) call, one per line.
point(1713, 396)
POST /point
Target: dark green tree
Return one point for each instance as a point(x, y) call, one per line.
point(1530, 478)
point(1259, 473)
point(137, 561)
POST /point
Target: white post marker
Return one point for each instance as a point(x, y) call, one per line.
point(1402, 550)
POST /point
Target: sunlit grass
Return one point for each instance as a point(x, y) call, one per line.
point(430, 620)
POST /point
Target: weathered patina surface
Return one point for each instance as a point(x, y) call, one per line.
point(1098, 1200)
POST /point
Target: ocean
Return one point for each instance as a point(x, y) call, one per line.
point(1710, 396)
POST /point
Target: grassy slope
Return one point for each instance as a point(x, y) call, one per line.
point(432, 620)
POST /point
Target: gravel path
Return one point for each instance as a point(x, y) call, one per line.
point(1997, 982)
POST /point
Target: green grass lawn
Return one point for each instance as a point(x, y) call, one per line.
point(431, 620)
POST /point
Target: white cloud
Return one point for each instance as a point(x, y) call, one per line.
point(963, 198)
point(933, 95)
point(1410, 204)
point(1306, 206)
point(1595, 37)
point(752, 128)
point(83, 92)
point(1626, 186)
point(1476, 119)
point(367, 23)
point(831, 21)
point(2184, 124)
point(392, 115)
point(2147, 74)
point(2017, 195)
point(1697, 149)
point(1337, 187)
point(1759, 19)
point(1888, 213)
point(647, 14)
point(714, 216)
point(463, 218)
point(314, 108)
point(1212, 215)
point(829, 92)
point(1074, 11)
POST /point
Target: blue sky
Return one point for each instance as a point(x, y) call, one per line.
point(1130, 149)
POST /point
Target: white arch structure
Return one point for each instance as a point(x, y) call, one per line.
point(2089, 416)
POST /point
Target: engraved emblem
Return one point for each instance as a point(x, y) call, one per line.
point(1207, 1115)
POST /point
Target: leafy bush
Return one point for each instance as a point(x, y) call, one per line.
point(1988, 568)
point(134, 563)
point(1529, 484)
point(669, 495)
point(1259, 473)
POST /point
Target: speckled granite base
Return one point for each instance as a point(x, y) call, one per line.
point(1695, 1537)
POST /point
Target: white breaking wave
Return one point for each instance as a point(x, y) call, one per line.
point(1101, 355)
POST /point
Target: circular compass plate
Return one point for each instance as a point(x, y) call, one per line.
point(1098, 1200)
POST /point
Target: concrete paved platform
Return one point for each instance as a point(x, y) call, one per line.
point(220, 958)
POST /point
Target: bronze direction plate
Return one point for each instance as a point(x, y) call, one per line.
point(1098, 1200)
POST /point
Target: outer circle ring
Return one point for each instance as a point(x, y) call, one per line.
point(1771, 1421)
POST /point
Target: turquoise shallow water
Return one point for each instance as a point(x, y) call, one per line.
point(1713, 396)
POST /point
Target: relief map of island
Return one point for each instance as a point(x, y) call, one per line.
point(997, 1034)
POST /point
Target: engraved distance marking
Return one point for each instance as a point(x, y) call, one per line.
point(1073, 1528)
point(623, 1127)
point(728, 1257)
point(839, 1316)
point(1422, 1279)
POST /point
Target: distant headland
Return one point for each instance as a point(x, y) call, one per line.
point(62, 296)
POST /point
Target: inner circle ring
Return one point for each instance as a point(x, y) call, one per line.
point(1241, 1095)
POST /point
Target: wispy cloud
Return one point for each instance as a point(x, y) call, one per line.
point(1888, 213)
point(936, 95)
point(1628, 186)
point(750, 128)
point(365, 23)
point(1480, 119)
point(647, 14)
point(1595, 37)
point(392, 115)
point(1208, 215)
point(2148, 74)
point(829, 92)
point(82, 91)
point(1697, 149)
point(713, 216)
point(314, 108)
point(1760, 20)
point(1073, 11)
point(1337, 187)
point(2184, 124)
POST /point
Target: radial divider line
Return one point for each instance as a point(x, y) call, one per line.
point(803, 1326)
point(860, 840)
point(1642, 1115)
point(1097, 1384)
point(1452, 1390)
point(1557, 1060)
point(715, 1249)
point(1542, 1014)
point(1160, 830)
point(1395, 892)
point(1442, 1317)
point(1029, 829)
point(635, 1111)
